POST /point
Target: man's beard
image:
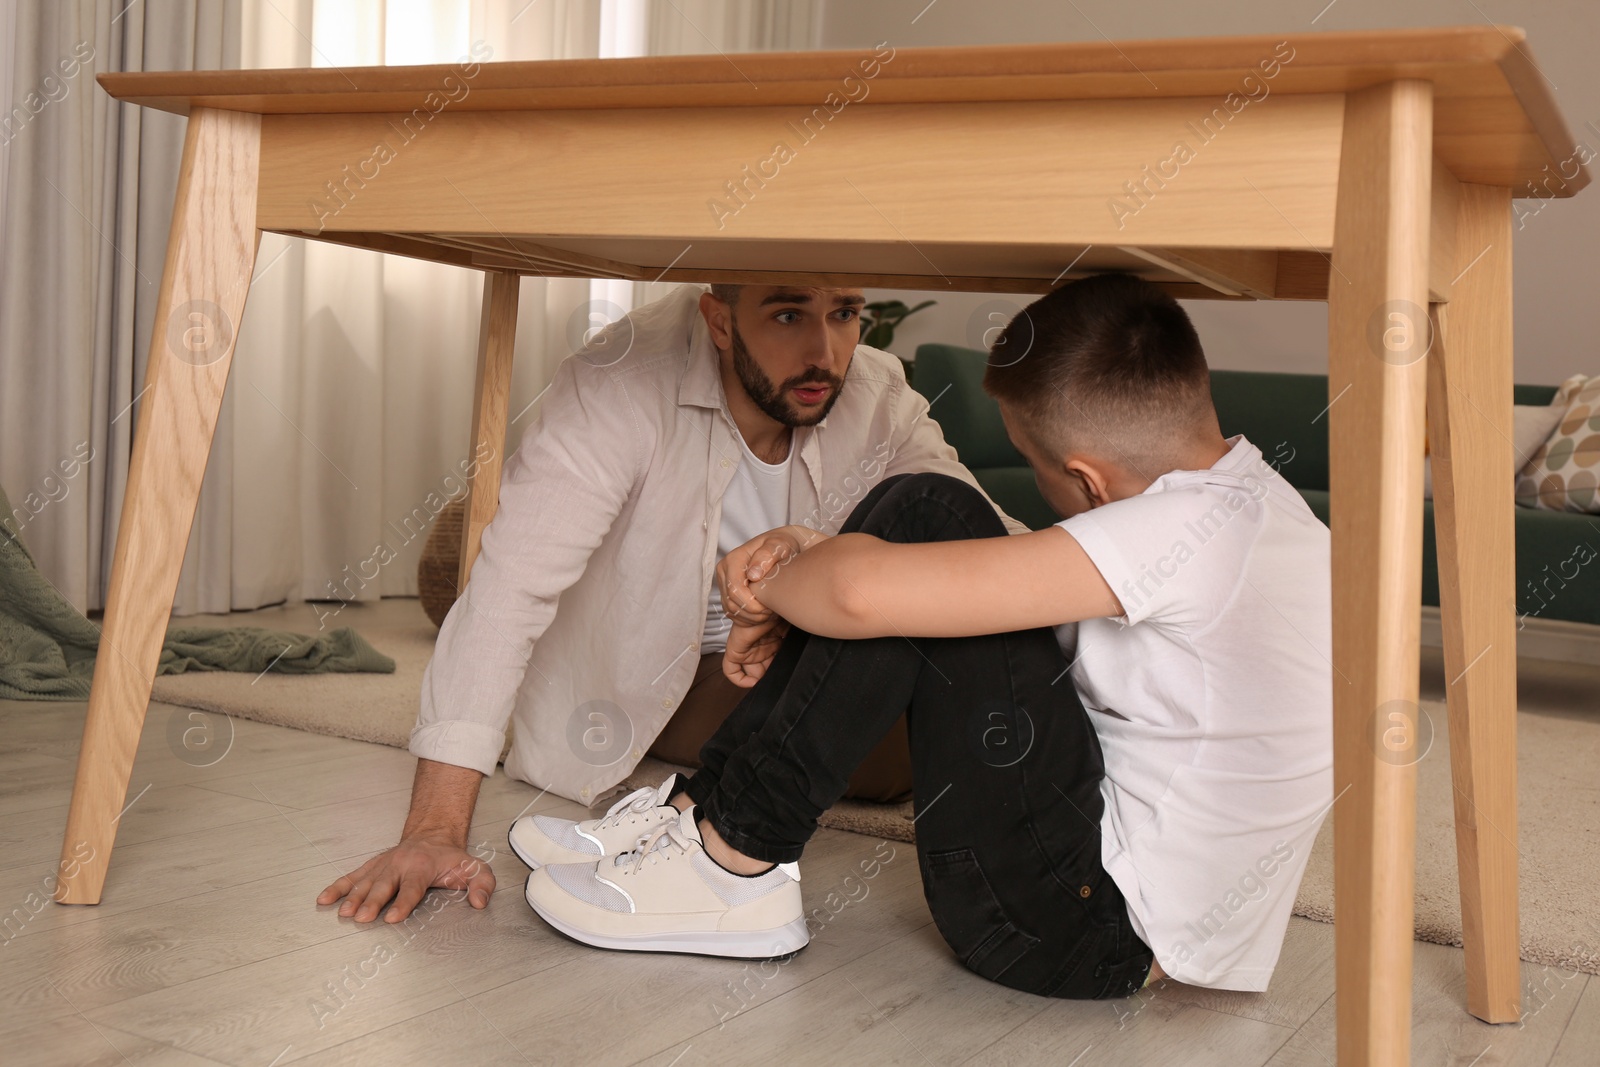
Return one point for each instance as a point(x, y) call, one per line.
point(772, 400)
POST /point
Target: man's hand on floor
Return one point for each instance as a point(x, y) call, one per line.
point(404, 874)
point(432, 852)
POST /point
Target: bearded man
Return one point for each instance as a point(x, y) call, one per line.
point(592, 618)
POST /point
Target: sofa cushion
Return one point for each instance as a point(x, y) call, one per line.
point(1558, 562)
point(1014, 489)
point(1284, 415)
point(952, 380)
point(1564, 472)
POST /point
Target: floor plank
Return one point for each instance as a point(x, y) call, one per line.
point(455, 1033)
point(210, 949)
point(379, 769)
point(1148, 1028)
point(77, 1041)
point(1301, 983)
point(1442, 1033)
point(1581, 1037)
point(822, 1021)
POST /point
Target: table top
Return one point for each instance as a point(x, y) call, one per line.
point(625, 168)
point(1495, 119)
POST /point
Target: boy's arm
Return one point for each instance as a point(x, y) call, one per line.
point(856, 585)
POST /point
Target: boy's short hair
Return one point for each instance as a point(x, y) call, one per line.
point(728, 294)
point(1109, 367)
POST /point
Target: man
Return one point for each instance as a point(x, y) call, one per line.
point(592, 616)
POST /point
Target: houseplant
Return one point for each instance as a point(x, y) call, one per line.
point(878, 322)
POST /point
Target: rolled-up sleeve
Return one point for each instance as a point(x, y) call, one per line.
point(560, 492)
point(919, 445)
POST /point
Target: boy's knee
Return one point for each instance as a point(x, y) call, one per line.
point(933, 483)
point(910, 490)
point(941, 494)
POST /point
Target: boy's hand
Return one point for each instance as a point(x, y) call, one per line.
point(750, 650)
point(742, 571)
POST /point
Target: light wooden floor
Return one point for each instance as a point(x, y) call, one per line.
point(209, 948)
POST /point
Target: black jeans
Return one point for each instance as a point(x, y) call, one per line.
point(1006, 770)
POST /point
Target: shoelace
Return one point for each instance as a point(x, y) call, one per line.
point(648, 844)
point(637, 802)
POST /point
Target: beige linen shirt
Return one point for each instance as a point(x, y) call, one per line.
point(583, 614)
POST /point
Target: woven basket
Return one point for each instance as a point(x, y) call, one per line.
point(440, 562)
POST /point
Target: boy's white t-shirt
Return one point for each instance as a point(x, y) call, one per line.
point(756, 500)
point(1212, 697)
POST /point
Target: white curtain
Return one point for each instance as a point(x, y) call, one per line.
point(354, 372)
point(88, 194)
point(346, 421)
point(687, 27)
point(352, 383)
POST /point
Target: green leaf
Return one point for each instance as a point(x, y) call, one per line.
point(880, 318)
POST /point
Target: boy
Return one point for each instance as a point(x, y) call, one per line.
point(1152, 817)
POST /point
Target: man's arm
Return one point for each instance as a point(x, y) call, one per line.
point(561, 490)
point(856, 585)
point(559, 495)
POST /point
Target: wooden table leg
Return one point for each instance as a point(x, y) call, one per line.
point(497, 335)
point(210, 256)
point(1470, 432)
point(1377, 340)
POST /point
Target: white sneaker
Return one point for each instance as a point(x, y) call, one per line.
point(670, 896)
point(540, 839)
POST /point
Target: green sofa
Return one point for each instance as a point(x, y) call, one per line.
point(1279, 414)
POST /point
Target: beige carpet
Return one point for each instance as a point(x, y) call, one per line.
point(1558, 763)
point(1558, 822)
point(366, 707)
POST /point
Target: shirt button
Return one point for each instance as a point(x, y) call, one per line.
point(694, 645)
point(637, 754)
point(725, 463)
point(667, 703)
point(1083, 892)
point(583, 792)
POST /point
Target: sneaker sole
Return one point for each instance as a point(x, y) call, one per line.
point(772, 944)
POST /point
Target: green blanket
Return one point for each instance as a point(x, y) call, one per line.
point(47, 648)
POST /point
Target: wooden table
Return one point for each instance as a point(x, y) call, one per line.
point(1372, 170)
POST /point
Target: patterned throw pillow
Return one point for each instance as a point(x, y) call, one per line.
point(1564, 474)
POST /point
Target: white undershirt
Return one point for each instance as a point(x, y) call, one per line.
point(756, 500)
